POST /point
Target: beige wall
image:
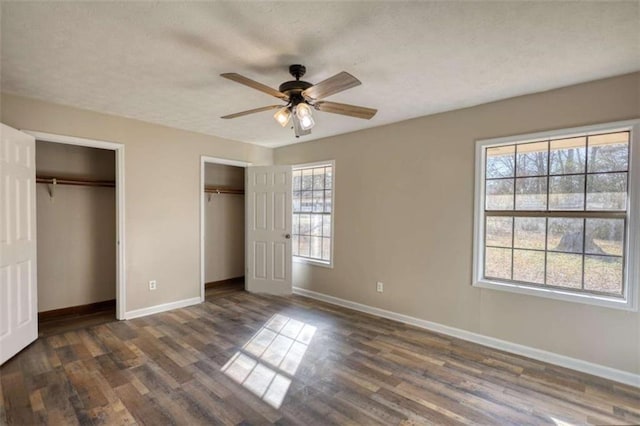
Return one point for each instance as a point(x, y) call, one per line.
point(76, 228)
point(162, 190)
point(58, 159)
point(223, 175)
point(404, 216)
point(224, 224)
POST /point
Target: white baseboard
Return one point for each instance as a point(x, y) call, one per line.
point(538, 354)
point(136, 313)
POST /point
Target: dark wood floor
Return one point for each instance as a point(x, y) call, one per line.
point(246, 359)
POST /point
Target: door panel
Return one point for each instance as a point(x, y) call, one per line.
point(261, 211)
point(260, 250)
point(269, 229)
point(18, 285)
point(279, 260)
point(5, 314)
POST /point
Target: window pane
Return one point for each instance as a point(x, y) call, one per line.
point(498, 231)
point(294, 245)
point(327, 201)
point(297, 180)
point(608, 153)
point(318, 201)
point(318, 178)
point(295, 224)
point(607, 191)
point(528, 266)
point(603, 273)
point(305, 224)
point(304, 246)
point(566, 193)
point(529, 233)
point(328, 178)
point(326, 225)
point(307, 179)
point(564, 270)
point(296, 201)
point(531, 193)
point(500, 161)
point(567, 156)
point(604, 236)
point(497, 263)
point(316, 247)
point(326, 249)
point(565, 234)
point(499, 194)
point(306, 203)
point(316, 224)
point(532, 159)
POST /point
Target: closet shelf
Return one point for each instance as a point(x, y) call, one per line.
point(73, 181)
point(222, 190)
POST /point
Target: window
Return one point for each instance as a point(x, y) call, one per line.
point(313, 212)
point(553, 215)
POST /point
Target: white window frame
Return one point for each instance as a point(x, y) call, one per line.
point(332, 163)
point(629, 301)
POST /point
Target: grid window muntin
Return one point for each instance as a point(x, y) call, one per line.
point(312, 212)
point(587, 211)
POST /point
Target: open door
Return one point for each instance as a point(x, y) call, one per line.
point(18, 285)
point(268, 248)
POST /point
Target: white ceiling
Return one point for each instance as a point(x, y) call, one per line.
point(159, 62)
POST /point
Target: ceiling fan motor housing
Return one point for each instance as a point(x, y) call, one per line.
point(293, 90)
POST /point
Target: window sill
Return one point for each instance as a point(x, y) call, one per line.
point(588, 299)
point(313, 262)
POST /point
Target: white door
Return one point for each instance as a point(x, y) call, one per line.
point(18, 285)
point(268, 249)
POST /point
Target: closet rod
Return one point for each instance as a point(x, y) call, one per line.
point(222, 190)
point(77, 182)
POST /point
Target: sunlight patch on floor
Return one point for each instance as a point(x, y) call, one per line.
point(559, 422)
point(267, 363)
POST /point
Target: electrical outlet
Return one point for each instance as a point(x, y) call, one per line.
point(379, 287)
point(152, 285)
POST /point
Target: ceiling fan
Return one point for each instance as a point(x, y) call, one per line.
point(301, 96)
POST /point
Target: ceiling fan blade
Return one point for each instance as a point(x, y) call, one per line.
point(251, 111)
point(346, 109)
point(332, 85)
point(254, 85)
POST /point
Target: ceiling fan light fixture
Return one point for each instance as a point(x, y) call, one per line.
point(303, 112)
point(307, 122)
point(297, 127)
point(283, 116)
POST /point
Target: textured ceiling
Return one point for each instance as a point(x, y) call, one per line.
point(159, 62)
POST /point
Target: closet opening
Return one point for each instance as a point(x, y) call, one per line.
point(222, 226)
point(76, 234)
point(80, 231)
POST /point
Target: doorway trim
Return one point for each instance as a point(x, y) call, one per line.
point(204, 159)
point(121, 276)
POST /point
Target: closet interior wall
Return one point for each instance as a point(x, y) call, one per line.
point(224, 223)
point(76, 227)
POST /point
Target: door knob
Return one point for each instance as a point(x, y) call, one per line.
point(287, 236)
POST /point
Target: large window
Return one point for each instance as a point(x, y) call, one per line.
point(553, 214)
point(313, 212)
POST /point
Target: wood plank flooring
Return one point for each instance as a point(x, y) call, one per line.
point(245, 359)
